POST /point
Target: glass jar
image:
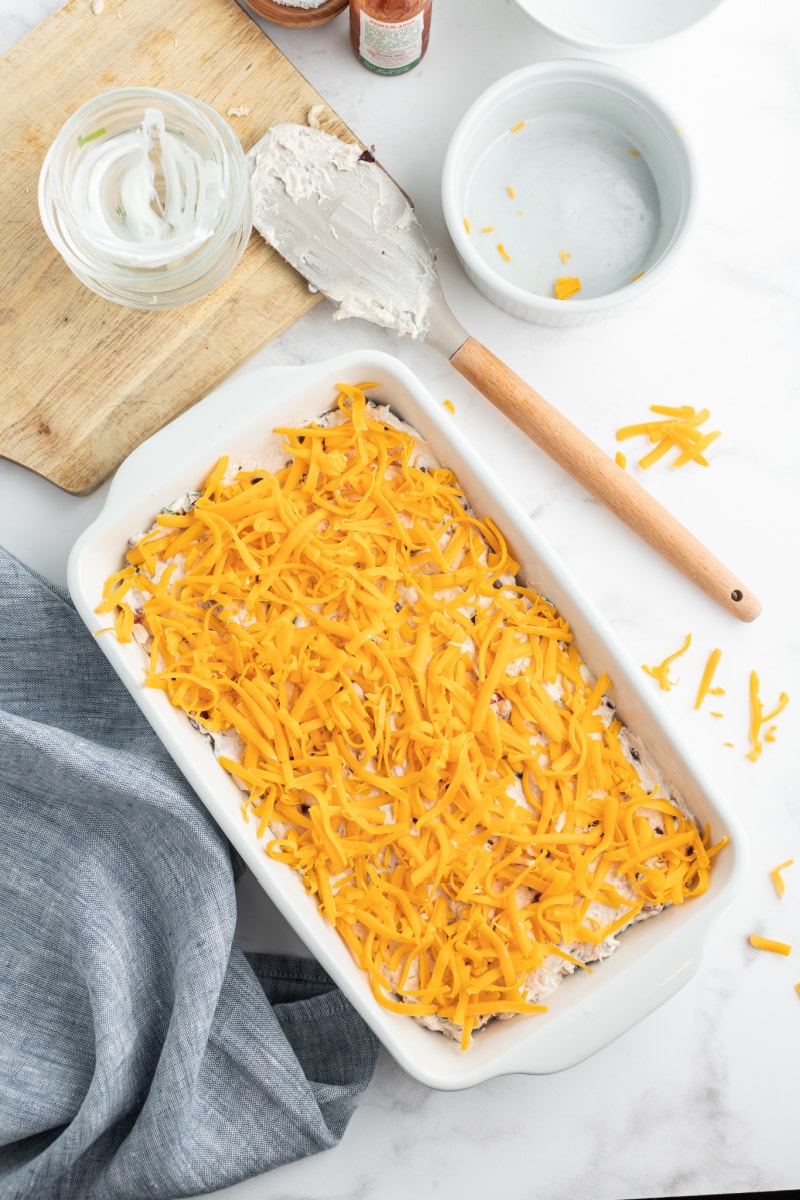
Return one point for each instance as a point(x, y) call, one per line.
point(390, 36)
point(146, 195)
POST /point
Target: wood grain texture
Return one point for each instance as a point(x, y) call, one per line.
point(82, 380)
point(593, 469)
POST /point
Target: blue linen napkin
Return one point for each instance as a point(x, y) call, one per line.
point(142, 1054)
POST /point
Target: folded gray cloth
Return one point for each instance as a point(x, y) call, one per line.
point(142, 1054)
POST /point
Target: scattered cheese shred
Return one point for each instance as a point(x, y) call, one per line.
point(467, 225)
point(762, 943)
point(678, 430)
point(564, 255)
point(705, 688)
point(413, 729)
point(503, 252)
point(758, 718)
point(777, 878)
point(511, 191)
point(516, 128)
point(661, 673)
point(637, 276)
point(448, 404)
point(620, 460)
point(566, 286)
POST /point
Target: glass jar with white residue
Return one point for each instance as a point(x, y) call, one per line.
point(146, 195)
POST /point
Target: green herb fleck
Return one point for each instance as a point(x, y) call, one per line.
point(89, 137)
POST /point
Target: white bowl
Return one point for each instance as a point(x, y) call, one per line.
point(568, 169)
point(655, 958)
point(616, 24)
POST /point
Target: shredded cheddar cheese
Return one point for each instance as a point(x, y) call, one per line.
point(758, 718)
point(566, 286)
point(467, 226)
point(503, 252)
point(660, 672)
point(777, 878)
point(620, 460)
point(678, 430)
point(448, 404)
point(413, 729)
point(705, 688)
point(762, 943)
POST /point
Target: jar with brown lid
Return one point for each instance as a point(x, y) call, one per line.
point(298, 14)
point(390, 36)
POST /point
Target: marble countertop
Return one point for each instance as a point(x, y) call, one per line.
point(698, 1098)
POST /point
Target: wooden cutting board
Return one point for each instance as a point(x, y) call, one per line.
point(82, 380)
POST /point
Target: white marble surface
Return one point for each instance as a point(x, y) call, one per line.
point(700, 1097)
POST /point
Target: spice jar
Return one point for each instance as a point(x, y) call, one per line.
point(390, 36)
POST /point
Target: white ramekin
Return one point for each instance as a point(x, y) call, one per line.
point(568, 169)
point(616, 24)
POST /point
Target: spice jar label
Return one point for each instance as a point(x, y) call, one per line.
point(392, 48)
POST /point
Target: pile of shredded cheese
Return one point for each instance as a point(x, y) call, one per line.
point(678, 429)
point(760, 721)
point(413, 729)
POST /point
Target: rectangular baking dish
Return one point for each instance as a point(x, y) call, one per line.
point(655, 958)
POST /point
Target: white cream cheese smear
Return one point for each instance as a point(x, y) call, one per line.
point(147, 195)
point(337, 218)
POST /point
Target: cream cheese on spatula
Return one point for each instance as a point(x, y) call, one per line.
point(338, 219)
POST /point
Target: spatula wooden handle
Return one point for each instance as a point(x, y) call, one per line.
point(601, 476)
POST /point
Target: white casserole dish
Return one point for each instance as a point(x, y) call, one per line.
point(655, 958)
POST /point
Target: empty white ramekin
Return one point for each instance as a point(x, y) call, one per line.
point(562, 174)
